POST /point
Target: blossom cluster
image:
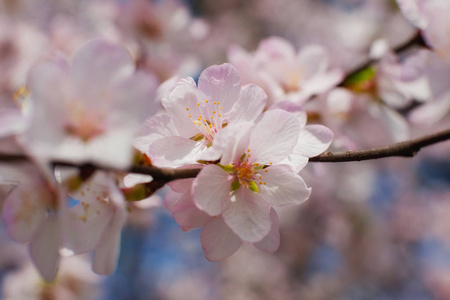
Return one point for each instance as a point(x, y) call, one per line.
point(248, 126)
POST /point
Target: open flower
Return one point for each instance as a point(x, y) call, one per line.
point(88, 111)
point(251, 177)
point(196, 114)
point(95, 222)
point(217, 238)
point(30, 213)
point(284, 74)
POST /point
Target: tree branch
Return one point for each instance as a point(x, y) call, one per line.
point(403, 149)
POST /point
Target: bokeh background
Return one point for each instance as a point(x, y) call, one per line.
point(371, 230)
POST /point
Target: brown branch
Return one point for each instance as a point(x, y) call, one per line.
point(403, 149)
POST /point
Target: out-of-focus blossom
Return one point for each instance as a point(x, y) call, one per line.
point(284, 74)
point(90, 110)
point(196, 114)
point(74, 281)
point(30, 213)
point(162, 33)
point(95, 223)
point(346, 29)
point(437, 72)
point(431, 17)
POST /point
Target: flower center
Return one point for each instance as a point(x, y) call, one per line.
point(84, 124)
point(209, 120)
point(249, 175)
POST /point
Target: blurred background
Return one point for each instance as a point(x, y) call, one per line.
point(371, 230)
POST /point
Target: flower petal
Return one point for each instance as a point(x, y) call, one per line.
point(44, 248)
point(187, 214)
point(249, 105)
point(283, 186)
point(248, 215)
point(97, 64)
point(25, 211)
point(106, 253)
point(154, 128)
point(218, 240)
point(174, 151)
point(272, 240)
point(184, 96)
point(220, 83)
point(274, 136)
point(211, 189)
point(313, 140)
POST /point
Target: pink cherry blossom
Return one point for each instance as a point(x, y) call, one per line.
point(30, 213)
point(196, 114)
point(95, 223)
point(286, 75)
point(431, 17)
point(217, 238)
point(251, 177)
point(88, 111)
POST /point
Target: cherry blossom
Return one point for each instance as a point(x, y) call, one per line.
point(428, 16)
point(196, 114)
point(30, 213)
point(95, 223)
point(251, 177)
point(286, 75)
point(217, 238)
point(88, 111)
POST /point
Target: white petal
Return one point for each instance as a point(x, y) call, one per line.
point(250, 104)
point(132, 101)
point(181, 185)
point(432, 111)
point(313, 140)
point(283, 186)
point(218, 240)
point(99, 63)
point(248, 215)
point(131, 180)
point(272, 240)
point(277, 47)
point(183, 97)
point(187, 214)
point(155, 127)
point(274, 136)
point(220, 83)
point(211, 189)
point(231, 142)
point(174, 151)
point(44, 248)
point(25, 210)
point(107, 252)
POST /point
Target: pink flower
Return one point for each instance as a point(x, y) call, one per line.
point(431, 17)
point(90, 110)
point(217, 238)
point(95, 223)
point(30, 213)
point(233, 201)
point(251, 177)
point(196, 114)
point(286, 75)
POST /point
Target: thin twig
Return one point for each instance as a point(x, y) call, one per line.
point(403, 149)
